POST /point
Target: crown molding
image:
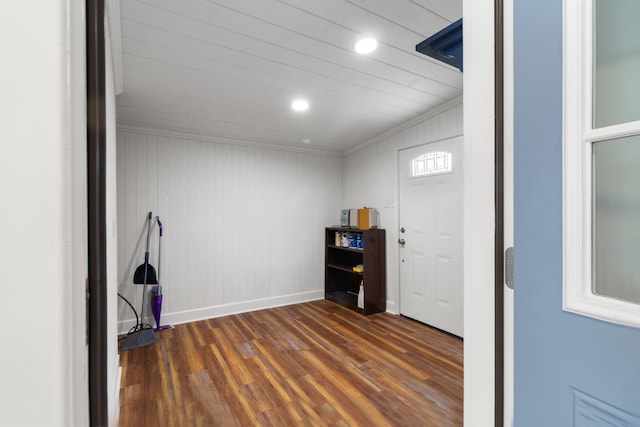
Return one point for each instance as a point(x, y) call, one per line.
point(228, 141)
point(281, 147)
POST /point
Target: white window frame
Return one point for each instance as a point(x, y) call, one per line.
point(578, 137)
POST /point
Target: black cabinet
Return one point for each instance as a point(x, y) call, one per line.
point(342, 283)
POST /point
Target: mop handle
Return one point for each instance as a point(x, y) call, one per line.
point(159, 253)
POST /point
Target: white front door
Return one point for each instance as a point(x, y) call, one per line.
point(431, 282)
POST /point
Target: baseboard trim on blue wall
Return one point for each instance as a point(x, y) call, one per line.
point(227, 309)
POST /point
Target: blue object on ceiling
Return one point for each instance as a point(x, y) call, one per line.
point(445, 45)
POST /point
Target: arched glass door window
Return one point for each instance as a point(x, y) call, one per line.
point(432, 163)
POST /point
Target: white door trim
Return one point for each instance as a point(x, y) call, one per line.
point(479, 212)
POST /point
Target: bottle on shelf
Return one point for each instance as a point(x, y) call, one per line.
point(361, 295)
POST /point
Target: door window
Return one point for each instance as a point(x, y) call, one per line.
point(615, 245)
point(432, 163)
point(616, 62)
point(602, 160)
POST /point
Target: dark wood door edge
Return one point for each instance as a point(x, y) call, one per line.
point(96, 211)
point(499, 211)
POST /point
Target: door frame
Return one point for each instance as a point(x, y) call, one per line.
point(96, 213)
point(499, 283)
point(483, 393)
point(483, 215)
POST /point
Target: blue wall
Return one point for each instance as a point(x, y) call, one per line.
point(555, 351)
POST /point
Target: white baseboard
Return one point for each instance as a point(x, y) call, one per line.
point(187, 316)
point(114, 401)
point(392, 307)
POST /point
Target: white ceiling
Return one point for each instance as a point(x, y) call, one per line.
point(229, 69)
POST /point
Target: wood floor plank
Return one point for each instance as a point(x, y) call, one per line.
point(357, 339)
point(230, 390)
point(211, 405)
point(347, 364)
point(233, 359)
point(311, 364)
point(335, 399)
point(273, 386)
point(344, 383)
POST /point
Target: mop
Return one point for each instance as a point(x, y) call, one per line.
point(156, 292)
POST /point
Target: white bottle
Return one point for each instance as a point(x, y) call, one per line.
point(361, 296)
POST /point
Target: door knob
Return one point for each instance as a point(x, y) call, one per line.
point(401, 241)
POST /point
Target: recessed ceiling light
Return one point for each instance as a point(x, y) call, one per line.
point(300, 105)
point(366, 45)
point(306, 141)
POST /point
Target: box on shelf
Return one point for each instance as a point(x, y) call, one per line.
point(353, 218)
point(367, 218)
point(361, 219)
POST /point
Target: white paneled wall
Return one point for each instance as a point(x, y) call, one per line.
point(243, 226)
point(371, 177)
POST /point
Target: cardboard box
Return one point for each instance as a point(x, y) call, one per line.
point(367, 218)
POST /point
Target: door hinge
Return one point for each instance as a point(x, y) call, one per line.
point(508, 267)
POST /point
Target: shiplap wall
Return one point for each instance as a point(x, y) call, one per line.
point(243, 226)
point(371, 177)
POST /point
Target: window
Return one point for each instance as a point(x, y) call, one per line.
point(436, 162)
point(601, 160)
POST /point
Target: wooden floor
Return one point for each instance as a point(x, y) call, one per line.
point(311, 364)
